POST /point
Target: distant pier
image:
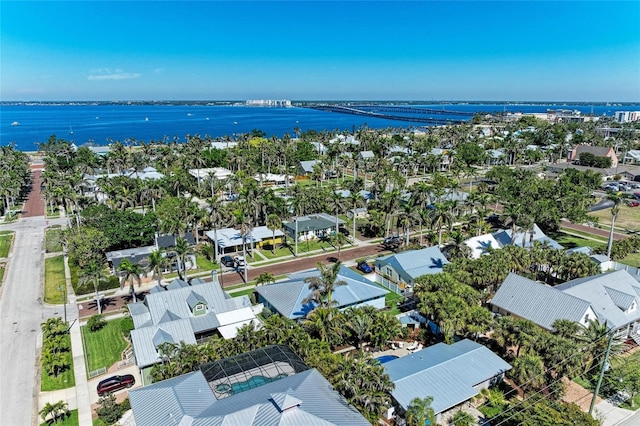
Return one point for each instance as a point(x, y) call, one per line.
point(390, 112)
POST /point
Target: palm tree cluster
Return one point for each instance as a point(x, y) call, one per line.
point(56, 411)
point(540, 262)
point(363, 383)
point(14, 177)
point(55, 343)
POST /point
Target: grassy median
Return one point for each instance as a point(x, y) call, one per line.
point(54, 280)
point(5, 243)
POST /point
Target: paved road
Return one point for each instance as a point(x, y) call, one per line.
point(21, 312)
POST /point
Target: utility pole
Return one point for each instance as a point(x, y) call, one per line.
point(602, 370)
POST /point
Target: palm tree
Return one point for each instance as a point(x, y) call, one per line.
point(615, 209)
point(55, 410)
point(322, 286)
point(528, 372)
point(265, 278)
point(157, 263)
point(338, 240)
point(183, 250)
point(439, 217)
point(420, 413)
point(274, 223)
point(218, 216)
point(130, 272)
point(94, 272)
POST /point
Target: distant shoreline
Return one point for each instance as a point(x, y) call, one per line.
point(302, 103)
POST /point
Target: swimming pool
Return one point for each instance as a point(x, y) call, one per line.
point(253, 382)
point(386, 358)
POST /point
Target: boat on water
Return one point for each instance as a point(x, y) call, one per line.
point(146, 119)
point(70, 130)
point(15, 123)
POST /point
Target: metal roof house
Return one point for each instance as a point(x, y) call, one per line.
point(230, 239)
point(311, 226)
point(305, 398)
point(451, 374)
point(185, 313)
point(398, 272)
point(612, 298)
point(524, 239)
point(539, 303)
point(286, 297)
point(482, 244)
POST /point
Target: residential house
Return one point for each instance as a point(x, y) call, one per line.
point(305, 168)
point(597, 151)
point(312, 226)
point(524, 238)
point(482, 244)
point(287, 297)
point(366, 155)
point(612, 298)
point(185, 313)
point(230, 239)
point(220, 173)
point(228, 392)
point(451, 374)
point(398, 272)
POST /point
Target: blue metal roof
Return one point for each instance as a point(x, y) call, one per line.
point(448, 373)
point(415, 263)
point(287, 296)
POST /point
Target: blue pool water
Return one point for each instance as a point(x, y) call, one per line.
point(253, 382)
point(386, 358)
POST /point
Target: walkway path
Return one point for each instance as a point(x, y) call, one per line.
point(590, 230)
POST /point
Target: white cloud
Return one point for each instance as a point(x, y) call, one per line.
point(158, 70)
point(108, 74)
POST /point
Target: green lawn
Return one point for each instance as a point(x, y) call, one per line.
point(632, 260)
point(71, 420)
point(64, 380)
point(5, 243)
point(205, 264)
point(571, 241)
point(391, 301)
point(242, 293)
point(628, 218)
point(52, 243)
point(104, 347)
point(54, 278)
point(2, 265)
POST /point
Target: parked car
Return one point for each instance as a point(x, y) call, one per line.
point(227, 261)
point(239, 260)
point(332, 259)
point(115, 383)
point(634, 203)
point(364, 267)
point(344, 231)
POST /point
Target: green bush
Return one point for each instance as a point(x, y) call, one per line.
point(96, 322)
point(88, 288)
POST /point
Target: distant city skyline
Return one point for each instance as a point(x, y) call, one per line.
point(580, 51)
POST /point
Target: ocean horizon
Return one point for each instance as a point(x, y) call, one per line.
point(26, 124)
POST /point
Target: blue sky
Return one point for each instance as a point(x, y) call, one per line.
point(366, 50)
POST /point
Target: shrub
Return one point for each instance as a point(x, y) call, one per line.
point(96, 322)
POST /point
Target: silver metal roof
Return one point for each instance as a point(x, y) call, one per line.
point(287, 296)
point(596, 290)
point(144, 339)
point(310, 400)
point(415, 263)
point(445, 372)
point(538, 302)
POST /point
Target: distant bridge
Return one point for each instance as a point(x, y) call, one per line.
point(382, 111)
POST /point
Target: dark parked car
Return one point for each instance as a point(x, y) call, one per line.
point(364, 267)
point(332, 259)
point(344, 231)
point(227, 261)
point(115, 383)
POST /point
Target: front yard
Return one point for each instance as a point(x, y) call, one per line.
point(104, 347)
point(65, 379)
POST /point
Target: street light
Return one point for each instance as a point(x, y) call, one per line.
point(64, 295)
